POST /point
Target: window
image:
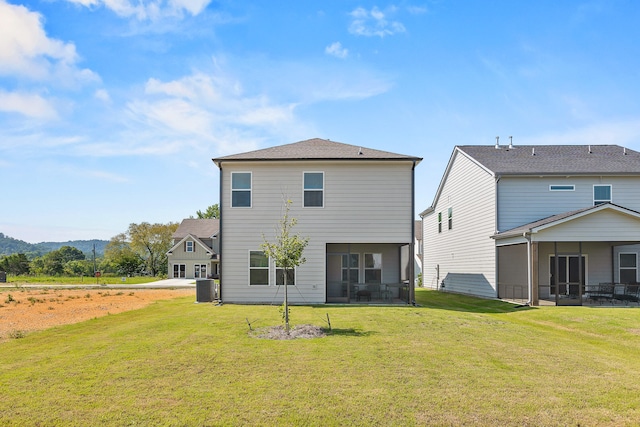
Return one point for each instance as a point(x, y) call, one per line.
point(188, 246)
point(258, 268)
point(291, 276)
point(562, 188)
point(439, 222)
point(240, 189)
point(313, 189)
point(601, 194)
point(628, 268)
point(373, 268)
point(351, 268)
point(200, 271)
point(450, 213)
point(179, 271)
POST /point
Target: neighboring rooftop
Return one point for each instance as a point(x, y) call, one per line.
point(201, 228)
point(555, 159)
point(316, 149)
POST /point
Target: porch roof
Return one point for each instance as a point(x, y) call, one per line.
point(583, 231)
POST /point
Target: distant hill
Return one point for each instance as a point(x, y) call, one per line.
point(9, 245)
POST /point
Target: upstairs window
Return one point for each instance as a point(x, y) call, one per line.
point(568, 187)
point(314, 189)
point(240, 189)
point(188, 246)
point(439, 222)
point(450, 220)
point(601, 194)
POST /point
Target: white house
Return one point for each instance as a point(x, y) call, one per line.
point(355, 204)
point(194, 254)
point(505, 219)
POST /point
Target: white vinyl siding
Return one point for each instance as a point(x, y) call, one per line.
point(364, 202)
point(465, 256)
point(522, 200)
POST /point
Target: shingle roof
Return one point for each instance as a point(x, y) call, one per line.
point(555, 159)
point(201, 228)
point(316, 149)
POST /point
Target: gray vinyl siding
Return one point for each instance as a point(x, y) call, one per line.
point(364, 202)
point(522, 200)
point(466, 253)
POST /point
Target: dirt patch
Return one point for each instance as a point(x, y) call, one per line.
point(26, 310)
point(279, 332)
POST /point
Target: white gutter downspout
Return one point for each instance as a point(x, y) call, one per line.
point(529, 272)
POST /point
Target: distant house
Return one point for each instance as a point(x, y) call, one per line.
point(534, 222)
point(355, 204)
point(195, 250)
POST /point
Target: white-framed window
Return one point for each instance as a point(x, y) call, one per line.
point(258, 268)
point(313, 188)
point(562, 187)
point(291, 276)
point(241, 189)
point(601, 194)
point(189, 246)
point(439, 222)
point(450, 218)
point(373, 268)
point(351, 268)
point(628, 267)
point(200, 271)
point(179, 271)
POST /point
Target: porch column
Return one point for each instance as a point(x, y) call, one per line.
point(535, 301)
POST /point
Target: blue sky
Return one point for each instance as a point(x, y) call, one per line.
point(111, 110)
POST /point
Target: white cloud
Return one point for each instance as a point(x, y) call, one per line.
point(148, 10)
point(27, 52)
point(374, 22)
point(27, 104)
point(102, 95)
point(336, 49)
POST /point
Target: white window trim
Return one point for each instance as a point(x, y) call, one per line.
point(593, 193)
point(627, 268)
point(186, 246)
point(313, 189)
point(250, 189)
point(365, 268)
point(249, 268)
point(566, 187)
point(295, 275)
point(450, 218)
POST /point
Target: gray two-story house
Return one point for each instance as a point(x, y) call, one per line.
point(534, 222)
point(355, 204)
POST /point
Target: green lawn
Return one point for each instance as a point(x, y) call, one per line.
point(452, 361)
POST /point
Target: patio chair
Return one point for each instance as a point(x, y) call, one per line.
point(631, 294)
point(602, 292)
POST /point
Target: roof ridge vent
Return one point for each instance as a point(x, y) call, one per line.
point(497, 142)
